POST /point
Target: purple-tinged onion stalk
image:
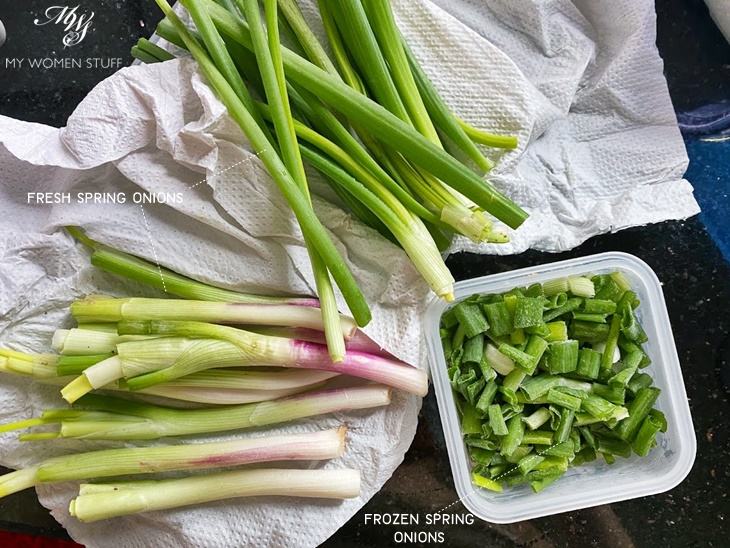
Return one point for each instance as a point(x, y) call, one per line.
point(114, 310)
point(322, 445)
point(212, 386)
point(157, 361)
point(110, 418)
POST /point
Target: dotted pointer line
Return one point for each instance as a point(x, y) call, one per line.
point(154, 251)
point(503, 474)
point(226, 169)
point(147, 226)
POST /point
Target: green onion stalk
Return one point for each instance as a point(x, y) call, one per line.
point(311, 226)
point(359, 341)
point(103, 501)
point(157, 361)
point(39, 366)
point(359, 164)
point(311, 46)
point(139, 270)
point(87, 342)
point(135, 308)
point(221, 396)
point(320, 445)
point(211, 386)
point(441, 114)
point(488, 139)
point(111, 418)
point(380, 123)
point(237, 29)
point(371, 186)
point(390, 78)
point(403, 131)
point(380, 15)
point(272, 74)
point(411, 233)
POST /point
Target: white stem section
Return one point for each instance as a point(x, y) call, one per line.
point(223, 396)
point(105, 372)
point(86, 342)
point(421, 249)
point(206, 311)
point(133, 498)
point(498, 361)
point(17, 481)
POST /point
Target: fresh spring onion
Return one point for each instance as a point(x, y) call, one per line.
point(40, 366)
point(99, 501)
point(388, 137)
point(110, 418)
point(322, 445)
point(310, 225)
point(268, 56)
point(213, 386)
point(155, 361)
point(139, 270)
point(114, 310)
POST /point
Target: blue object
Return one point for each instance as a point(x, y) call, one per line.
point(709, 173)
point(712, 118)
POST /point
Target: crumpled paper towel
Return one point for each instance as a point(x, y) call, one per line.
point(604, 153)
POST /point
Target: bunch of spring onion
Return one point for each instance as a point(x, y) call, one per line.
point(548, 377)
point(374, 126)
point(107, 500)
point(245, 398)
point(275, 370)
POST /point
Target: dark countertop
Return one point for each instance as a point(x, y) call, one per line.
point(684, 256)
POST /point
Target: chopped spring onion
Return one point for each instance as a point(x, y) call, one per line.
point(581, 286)
point(539, 402)
point(501, 363)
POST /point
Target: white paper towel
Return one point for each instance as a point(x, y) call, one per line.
point(580, 83)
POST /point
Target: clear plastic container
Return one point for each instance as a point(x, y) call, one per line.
point(597, 482)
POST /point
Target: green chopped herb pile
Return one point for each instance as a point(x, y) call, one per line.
point(550, 376)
